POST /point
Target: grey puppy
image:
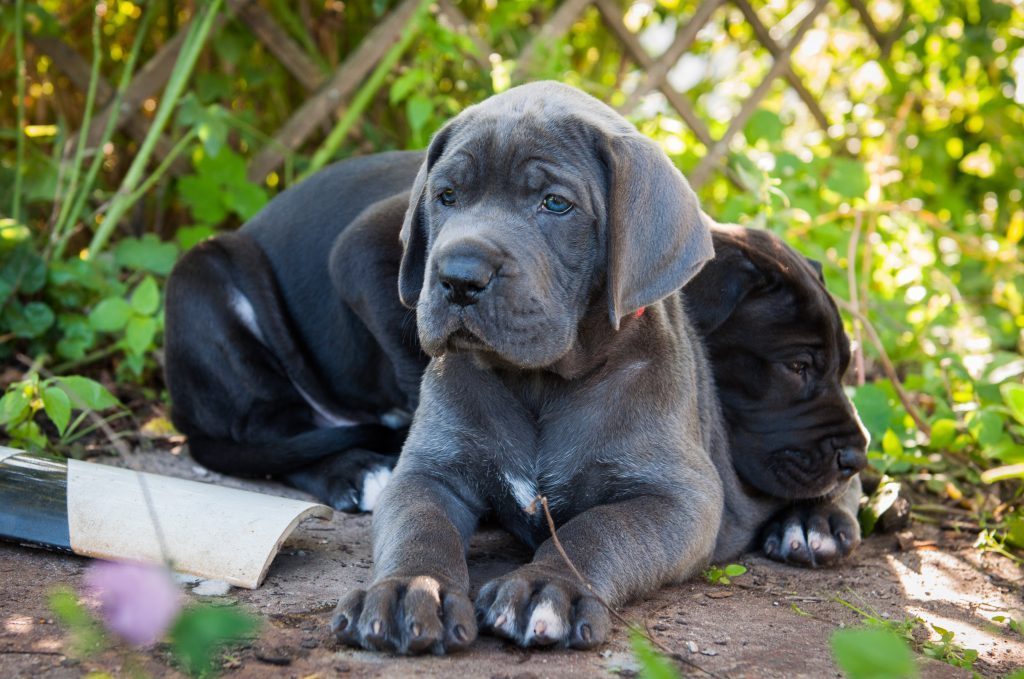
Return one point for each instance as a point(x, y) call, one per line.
point(543, 243)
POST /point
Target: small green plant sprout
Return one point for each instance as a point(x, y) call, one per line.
point(722, 575)
point(57, 398)
point(1012, 624)
point(872, 653)
point(653, 665)
point(945, 649)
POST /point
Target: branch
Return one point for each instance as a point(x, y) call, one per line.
point(615, 614)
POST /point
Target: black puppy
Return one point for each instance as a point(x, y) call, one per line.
point(288, 353)
point(777, 347)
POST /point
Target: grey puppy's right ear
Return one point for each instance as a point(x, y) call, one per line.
point(414, 235)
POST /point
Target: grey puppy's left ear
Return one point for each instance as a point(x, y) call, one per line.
point(657, 237)
point(414, 234)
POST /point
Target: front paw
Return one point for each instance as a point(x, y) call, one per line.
point(407, 616)
point(812, 536)
point(532, 608)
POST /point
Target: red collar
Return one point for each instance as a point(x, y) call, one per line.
point(640, 312)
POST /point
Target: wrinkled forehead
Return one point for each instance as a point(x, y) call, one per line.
point(523, 149)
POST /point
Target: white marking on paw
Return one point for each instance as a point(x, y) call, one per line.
point(507, 622)
point(524, 491)
point(545, 622)
point(822, 543)
point(246, 313)
point(793, 539)
point(373, 485)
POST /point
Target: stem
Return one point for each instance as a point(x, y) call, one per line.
point(90, 103)
point(19, 59)
point(164, 166)
point(851, 277)
point(108, 131)
point(543, 501)
point(887, 366)
point(196, 37)
point(366, 93)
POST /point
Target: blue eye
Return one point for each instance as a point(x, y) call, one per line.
point(557, 204)
point(447, 197)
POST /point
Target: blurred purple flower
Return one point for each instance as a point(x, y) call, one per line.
point(137, 602)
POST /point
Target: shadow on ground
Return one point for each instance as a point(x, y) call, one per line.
point(774, 621)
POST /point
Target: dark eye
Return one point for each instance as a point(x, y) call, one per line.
point(447, 197)
point(557, 204)
point(799, 367)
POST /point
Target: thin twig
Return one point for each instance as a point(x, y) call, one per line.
point(601, 600)
point(887, 366)
point(851, 278)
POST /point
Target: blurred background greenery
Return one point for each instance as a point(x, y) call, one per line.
point(889, 146)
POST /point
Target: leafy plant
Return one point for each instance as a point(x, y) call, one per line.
point(717, 575)
point(57, 398)
point(872, 653)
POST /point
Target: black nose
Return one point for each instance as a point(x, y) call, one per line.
point(464, 277)
point(851, 460)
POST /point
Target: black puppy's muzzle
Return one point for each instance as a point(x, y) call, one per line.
point(851, 457)
point(464, 274)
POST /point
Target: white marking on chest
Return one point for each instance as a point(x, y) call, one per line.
point(523, 490)
point(373, 485)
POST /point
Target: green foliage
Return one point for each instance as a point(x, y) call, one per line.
point(871, 653)
point(863, 648)
point(203, 630)
point(717, 575)
point(910, 193)
point(653, 665)
point(86, 634)
point(56, 398)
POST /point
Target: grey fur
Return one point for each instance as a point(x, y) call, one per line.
point(548, 381)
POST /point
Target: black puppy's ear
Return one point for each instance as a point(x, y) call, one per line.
point(657, 236)
point(816, 265)
point(717, 291)
point(414, 234)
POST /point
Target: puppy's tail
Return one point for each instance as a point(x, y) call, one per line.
point(273, 458)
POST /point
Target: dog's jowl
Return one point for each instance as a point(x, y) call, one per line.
point(539, 225)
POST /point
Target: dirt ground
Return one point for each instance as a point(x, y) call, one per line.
point(773, 621)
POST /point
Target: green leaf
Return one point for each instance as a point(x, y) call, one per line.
point(58, 407)
point(110, 315)
point(148, 253)
point(145, 299)
point(764, 125)
point(86, 633)
point(15, 405)
point(865, 653)
point(653, 665)
point(891, 444)
point(874, 406)
point(86, 392)
point(943, 433)
point(418, 109)
point(986, 426)
point(1013, 397)
point(880, 501)
point(245, 199)
point(203, 197)
point(200, 631)
point(734, 569)
point(22, 269)
point(847, 177)
point(189, 236)
point(28, 321)
point(139, 334)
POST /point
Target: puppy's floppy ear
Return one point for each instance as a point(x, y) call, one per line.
point(657, 237)
point(718, 290)
point(414, 234)
point(818, 268)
